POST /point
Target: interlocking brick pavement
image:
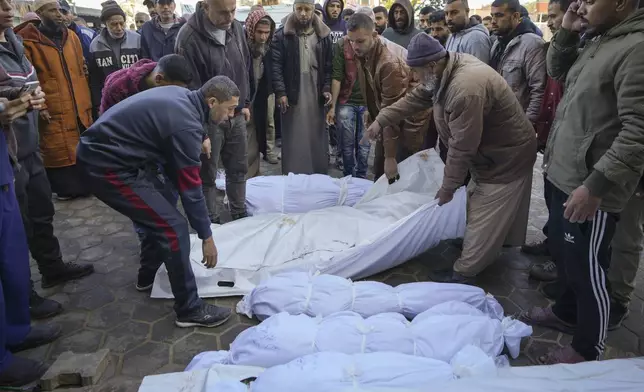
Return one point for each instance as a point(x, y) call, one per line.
point(105, 311)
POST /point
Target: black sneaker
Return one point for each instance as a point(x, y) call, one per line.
point(144, 283)
point(42, 308)
point(551, 290)
point(449, 276)
point(545, 272)
point(67, 272)
point(536, 249)
point(618, 313)
point(241, 215)
point(21, 372)
point(38, 336)
point(208, 316)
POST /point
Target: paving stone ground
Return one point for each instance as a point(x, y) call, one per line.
point(105, 311)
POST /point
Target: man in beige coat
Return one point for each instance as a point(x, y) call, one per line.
point(487, 133)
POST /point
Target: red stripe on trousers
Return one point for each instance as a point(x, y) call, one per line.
point(140, 204)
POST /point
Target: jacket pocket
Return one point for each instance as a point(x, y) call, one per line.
point(512, 72)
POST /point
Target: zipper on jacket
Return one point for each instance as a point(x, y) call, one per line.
point(71, 89)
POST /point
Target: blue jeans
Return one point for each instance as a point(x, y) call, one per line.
point(351, 127)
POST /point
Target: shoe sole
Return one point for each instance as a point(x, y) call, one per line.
point(190, 324)
point(67, 279)
point(142, 289)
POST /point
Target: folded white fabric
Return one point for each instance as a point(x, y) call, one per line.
point(440, 334)
point(321, 295)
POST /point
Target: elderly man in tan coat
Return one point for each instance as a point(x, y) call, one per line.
point(487, 132)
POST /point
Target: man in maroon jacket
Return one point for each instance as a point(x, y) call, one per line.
point(172, 69)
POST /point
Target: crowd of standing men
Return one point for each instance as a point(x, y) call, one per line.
point(141, 119)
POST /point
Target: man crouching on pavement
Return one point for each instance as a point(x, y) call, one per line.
point(162, 126)
point(487, 132)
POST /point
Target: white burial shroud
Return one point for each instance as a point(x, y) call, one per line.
point(388, 226)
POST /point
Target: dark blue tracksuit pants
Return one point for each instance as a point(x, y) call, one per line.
point(15, 276)
point(149, 261)
point(150, 204)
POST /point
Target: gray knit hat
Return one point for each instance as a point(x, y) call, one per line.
point(424, 49)
point(304, 2)
point(111, 8)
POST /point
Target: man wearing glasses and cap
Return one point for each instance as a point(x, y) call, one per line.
point(159, 34)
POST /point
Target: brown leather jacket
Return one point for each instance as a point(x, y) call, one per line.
point(479, 118)
point(384, 79)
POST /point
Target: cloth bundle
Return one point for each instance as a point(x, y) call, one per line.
point(321, 295)
point(298, 193)
point(439, 333)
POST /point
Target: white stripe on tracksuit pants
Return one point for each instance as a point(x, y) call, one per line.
point(583, 256)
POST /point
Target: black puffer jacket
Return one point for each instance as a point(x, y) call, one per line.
point(285, 50)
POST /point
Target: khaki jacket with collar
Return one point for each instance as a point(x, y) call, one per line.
point(390, 79)
point(480, 120)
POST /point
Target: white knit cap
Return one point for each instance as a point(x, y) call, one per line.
point(38, 4)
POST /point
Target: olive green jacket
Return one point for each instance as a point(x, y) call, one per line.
point(597, 138)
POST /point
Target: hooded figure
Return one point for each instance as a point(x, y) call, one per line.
point(262, 112)
point(337, 24)
point(401, 35)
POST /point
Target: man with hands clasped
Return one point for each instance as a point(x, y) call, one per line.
point(594, 160)
point(163, 126)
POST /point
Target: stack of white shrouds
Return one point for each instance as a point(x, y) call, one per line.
point(388, 226)
point(324, 333)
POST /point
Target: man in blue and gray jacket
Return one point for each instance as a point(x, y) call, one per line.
point(159, 34)
point(163, 126)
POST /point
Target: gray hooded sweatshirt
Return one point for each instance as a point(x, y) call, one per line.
point(474, 40)
point(402, 37)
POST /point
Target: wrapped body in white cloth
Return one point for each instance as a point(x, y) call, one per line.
point(388, 226)
point(297, 193)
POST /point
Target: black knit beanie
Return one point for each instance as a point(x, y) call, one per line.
point(111, 8)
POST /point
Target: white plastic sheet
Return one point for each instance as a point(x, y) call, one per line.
point(333, 371)
point(388, 226)
point(440, 334)
point(616, 375)
point(321, 295)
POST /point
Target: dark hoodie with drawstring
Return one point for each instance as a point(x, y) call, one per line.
point(404, 36)
point(338, 26)
point(208, 57)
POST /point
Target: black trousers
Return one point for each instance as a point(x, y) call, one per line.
point(143, 197)
point(37, 209)
point(583, 256)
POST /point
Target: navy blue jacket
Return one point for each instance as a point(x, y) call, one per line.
point(6, 169)
point(85, 35)
point(162, 126)
point(155, 43)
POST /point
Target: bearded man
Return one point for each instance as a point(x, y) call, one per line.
point(302, 56)
point(261, 127)
point(401, 23)
point(479, 118)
